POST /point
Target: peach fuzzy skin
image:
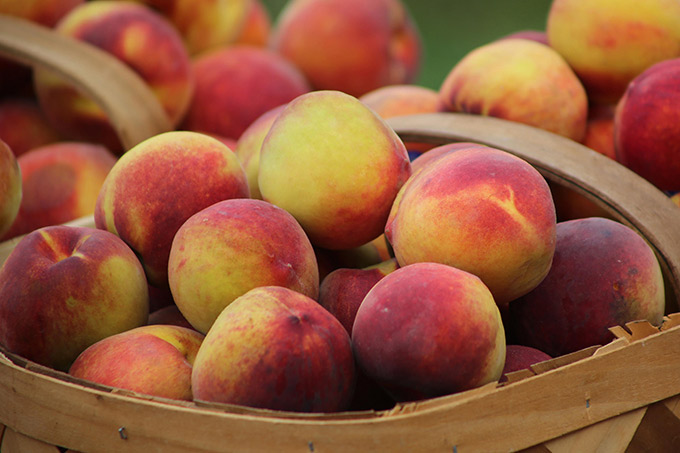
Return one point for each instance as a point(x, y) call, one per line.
point(92, 286)
point(231, 247)
point(481, 210)
point(518, 80)
point(169, 315)
point(235, 85)
point(257, 29)
point(204, 24)
point(24, 126)
point(343, 290)
point(61, 182)
point(610, 42)
point(278, 349)
point(10, 187)
point(152, 360)
point(352, 46)
point(335, 165)
point(427, 330)
point(439, 151)
point(158, 184)
point(43, 12)
point(249, 144)
point(604, 274)
point(647, 125)
point(138, 37)
point(519, 357)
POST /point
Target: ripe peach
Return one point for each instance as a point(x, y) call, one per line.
point(481, 210)
point(278, 349)
point(603, 274)
point(61, 182)
point(427, 330)
point(24, 126)
point(154, 360)
point(352, 46)
point(534, 35)
point(519, 357)
point(647, 125)
point(10, 187)
point(257, 28)
point(137, 36)
point(169, 315)
point(335, 165)
point(91, 286)
point(158, 184)
point(437, 152)
point(518, 80)
point(600, 129)
point(610, 42)
point(231, 247)
point(236, 85)
point(343, 290)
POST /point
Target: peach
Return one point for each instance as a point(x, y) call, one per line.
point(24, 126)
point(600, 129)
point(10, 188)
point(518, 80)
point(158, 184)
point(278, 349)
point(675, 198)
point(352, 46)
point(249, 144)
point(428, 329)
point(153, 360)
point(481, 210)
point(369, 254)
point(519, 357)
point(571, 205)
point(235, 85)
point(43, 12)
point(61, 182)
point(204, 24)
point(647, 125)
point(137, 36)
point(438, 151)
point(343, 290)
point(610, 42)
point(257, 28)
point(335, 165)
point(91, 286)
point(603, 274)
point(231, 247)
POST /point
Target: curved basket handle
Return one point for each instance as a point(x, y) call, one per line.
point(628, 197)
point(133, 109)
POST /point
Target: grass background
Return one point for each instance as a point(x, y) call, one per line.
point(451, 28)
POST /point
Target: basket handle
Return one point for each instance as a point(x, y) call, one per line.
point(132, 107)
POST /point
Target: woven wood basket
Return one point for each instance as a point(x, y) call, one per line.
point(623, 396)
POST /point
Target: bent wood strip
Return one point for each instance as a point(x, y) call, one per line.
point(628, 197)
point(513, 417)
point(131, 106)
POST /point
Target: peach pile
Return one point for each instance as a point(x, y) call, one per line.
point(282, 247)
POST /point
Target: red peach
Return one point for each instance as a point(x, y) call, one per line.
point(427, 330)
point(352, 46)
point(278, 349)
point(603, 274)
point(169, 315)
point(235, 85)
point(647, 125)
point(257, 27)
point(64, 288)
point(24, 126)
point(519, 357)
point(153, 360)
point(43, 12)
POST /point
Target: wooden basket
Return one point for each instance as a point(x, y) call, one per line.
point(623, 396)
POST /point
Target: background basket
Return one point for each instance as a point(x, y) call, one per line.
point(623, 396)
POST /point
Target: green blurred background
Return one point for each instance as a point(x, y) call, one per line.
point(452, 28)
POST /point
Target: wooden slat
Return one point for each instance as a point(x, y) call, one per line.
point(14, 442)
point(132, 108)
point(513, 417)
point(659, 430)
